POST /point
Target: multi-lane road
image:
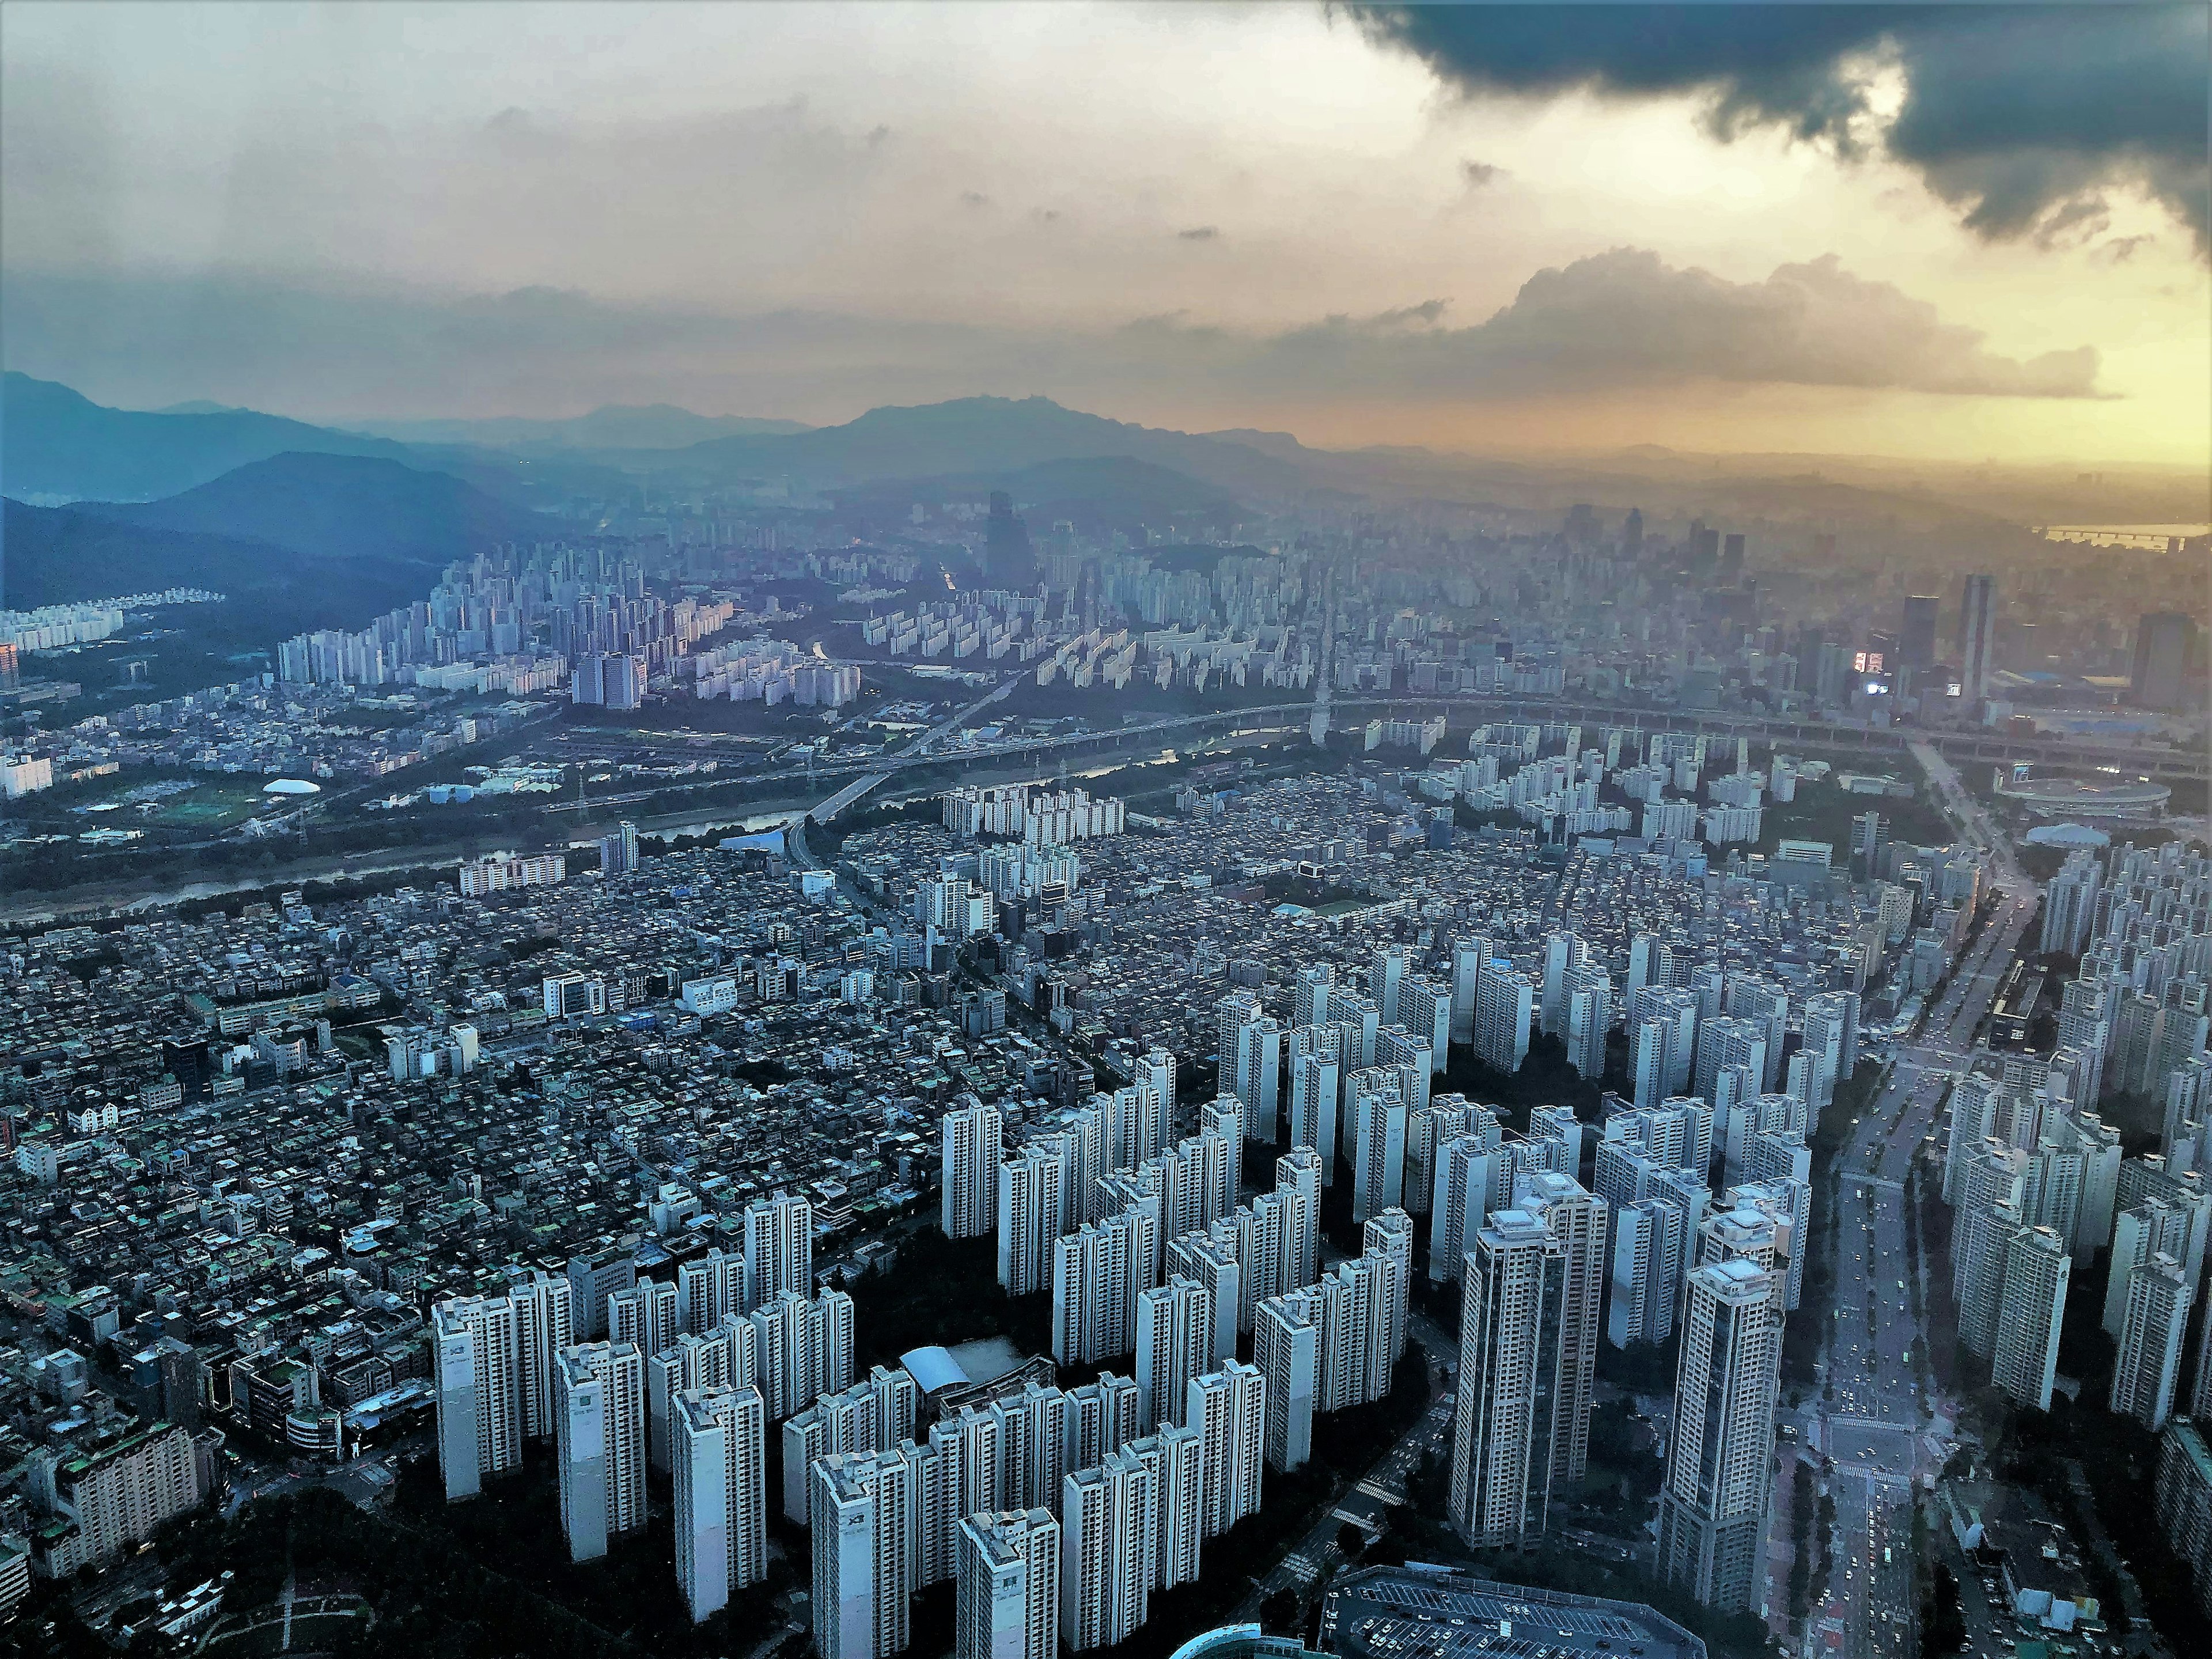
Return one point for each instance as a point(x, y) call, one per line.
point(1875, 1411)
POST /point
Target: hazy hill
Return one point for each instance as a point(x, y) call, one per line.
point(341, 507)
point(973, 436)
point(60, 446)
point(56, 554)
point(615, 426)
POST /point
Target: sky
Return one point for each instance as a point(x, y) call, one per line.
point(1960, 232)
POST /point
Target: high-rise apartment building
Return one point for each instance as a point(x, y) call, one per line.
point(1378, 1173)
point(600, 1444)
point(1506, 1003)
point(721, 1498)
point(1109, 1543)
point(1586, 1004)
point(1228, 1409)
point(2154, 1325)
point(1174, 1337)
point(1564, 952)
point(120, 1494)
point(779, 1248)
point(1713, 1501)
point(479, 1376)
point(1509, 1394)
point(1287, 1347)
point(970, 1171)
point(1008, 1603)
point(864, 1526)
point(804, 1350)
point(2024, 1361)
point(643, 1316)
point(1313, 1098)
point(1032, 1214)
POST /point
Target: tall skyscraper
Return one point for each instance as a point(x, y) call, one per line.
point(1509, 1393)
point(721, 1495)
point(1008, 1596)
point(601, 1445)
point(864, 1525)
point(1713, 1501)
point(479, 1365)
point(1576, 1218)
point(970, 1171)
point(1008, 558)
point(2164, 642)
point(1916, 639)
point(1978, 622)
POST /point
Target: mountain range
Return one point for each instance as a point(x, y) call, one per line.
point(56, 446)
point(614, 425)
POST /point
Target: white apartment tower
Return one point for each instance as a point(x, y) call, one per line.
point(1174, 1337)
point(1505, 1005)
point(2024, 1361)
point(1378, 1172)
point(970, 1171)
point(1228, 1409)
point(1287, 1347)
point(2155, 1326)
point(863, 1521)
point(1008, 1595)
point(1713, 1502)
point(1110, 1522)
point(1032, 1215)
point(601, 1445)
point(722, 1500)
point(779, 1248)
point(479, 1365)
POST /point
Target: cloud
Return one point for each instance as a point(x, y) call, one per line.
point(2010, 113)
point(1618, 322)
point(1623, 319)
point(1199, 233)
point(1479, 174)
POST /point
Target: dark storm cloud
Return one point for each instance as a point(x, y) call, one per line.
point(2011, 113)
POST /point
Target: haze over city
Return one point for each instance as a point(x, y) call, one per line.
point(1105, 831)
